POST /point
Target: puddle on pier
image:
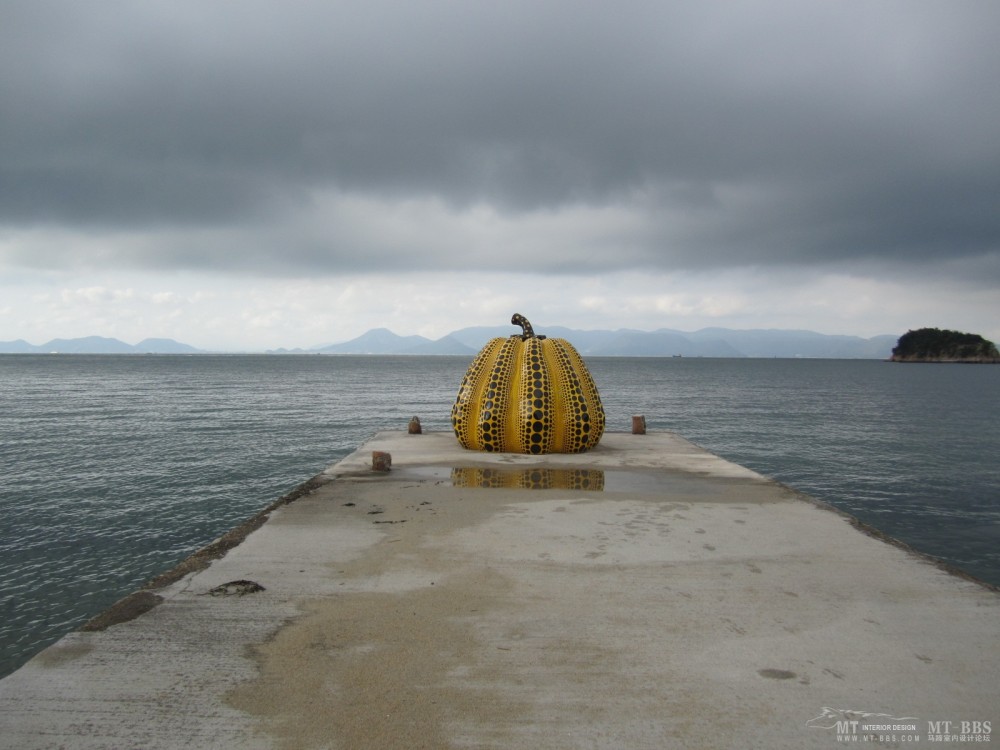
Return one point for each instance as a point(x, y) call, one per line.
point(547, 478)
point(536, 478)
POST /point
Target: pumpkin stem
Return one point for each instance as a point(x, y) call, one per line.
point(527, 331)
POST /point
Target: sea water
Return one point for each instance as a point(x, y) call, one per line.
point(117, 467)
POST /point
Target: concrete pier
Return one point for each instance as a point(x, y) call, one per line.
point(647, 594)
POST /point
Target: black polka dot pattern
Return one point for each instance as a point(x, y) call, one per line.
point(537, 415)
point(528, 395)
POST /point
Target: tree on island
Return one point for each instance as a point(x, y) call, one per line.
point(935, 345)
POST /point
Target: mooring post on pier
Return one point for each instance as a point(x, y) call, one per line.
point(381, 461)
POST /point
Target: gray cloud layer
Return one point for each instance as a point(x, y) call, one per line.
point(736, 133)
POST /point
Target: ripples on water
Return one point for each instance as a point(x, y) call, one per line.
point(117, 467)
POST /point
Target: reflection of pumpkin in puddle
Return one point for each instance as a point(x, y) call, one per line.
point(529, 479)
point(528, 394)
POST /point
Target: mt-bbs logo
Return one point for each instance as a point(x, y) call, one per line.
point(960, 728)
point(867, 726)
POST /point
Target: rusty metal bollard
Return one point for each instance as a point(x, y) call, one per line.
point(638, 424)
point(381, 461)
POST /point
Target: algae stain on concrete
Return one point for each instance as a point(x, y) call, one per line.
point(375, 669)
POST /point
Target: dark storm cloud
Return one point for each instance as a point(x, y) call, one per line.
point(747, 133)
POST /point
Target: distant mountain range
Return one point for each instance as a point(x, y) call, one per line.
point(97, 345)
point(708, 342)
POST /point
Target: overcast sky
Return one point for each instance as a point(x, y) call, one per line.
point(241, 174)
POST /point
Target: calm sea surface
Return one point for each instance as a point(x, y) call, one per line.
point(116, 467)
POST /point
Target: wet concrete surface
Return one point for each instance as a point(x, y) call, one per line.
point(678, 600)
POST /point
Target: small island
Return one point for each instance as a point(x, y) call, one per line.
point(935, 345)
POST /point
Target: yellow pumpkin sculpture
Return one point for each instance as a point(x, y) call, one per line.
point(528, 394)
